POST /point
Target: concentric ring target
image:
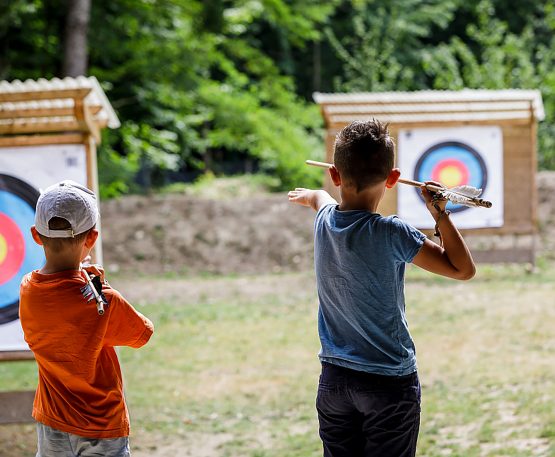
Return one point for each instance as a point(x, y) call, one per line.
point(453, 164)
point(19, 254)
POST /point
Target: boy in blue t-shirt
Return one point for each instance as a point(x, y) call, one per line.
point(369, 395)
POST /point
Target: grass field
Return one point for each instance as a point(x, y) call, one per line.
point(232, 367)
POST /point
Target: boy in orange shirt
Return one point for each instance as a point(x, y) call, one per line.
point(79, 404)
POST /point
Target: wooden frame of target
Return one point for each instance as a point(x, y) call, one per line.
point(49, 131)
point(483, 138)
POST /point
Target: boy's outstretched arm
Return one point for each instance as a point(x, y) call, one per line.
point(313, 198)
point(453, 259)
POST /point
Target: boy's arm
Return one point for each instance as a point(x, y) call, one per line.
point(453, 259)
point(126, 326)
point(313, 198)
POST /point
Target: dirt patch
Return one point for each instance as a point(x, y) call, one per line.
point(17, 440)
point(183, 234)
point(193, 445)
point(173, 233)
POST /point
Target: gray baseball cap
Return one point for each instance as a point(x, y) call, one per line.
point(70, 201)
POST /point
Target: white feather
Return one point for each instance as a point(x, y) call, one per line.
point(459, 199)
point(467, 191)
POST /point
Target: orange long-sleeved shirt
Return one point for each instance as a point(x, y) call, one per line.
point(80, 388)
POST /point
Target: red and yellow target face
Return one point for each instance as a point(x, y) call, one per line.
point(12, 248)
point(3, 249)
point(451, 173)
point(452, 164)
point(19, 254)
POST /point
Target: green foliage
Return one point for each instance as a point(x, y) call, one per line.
point(205, 87)
point(199, 84)
point(545, 58)
point(383, 47)
point(117, 172)
point(494, 57)
point(491, 58)
point(208, 185)
point(437, 44)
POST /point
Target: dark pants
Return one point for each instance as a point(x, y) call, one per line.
point(367, 415)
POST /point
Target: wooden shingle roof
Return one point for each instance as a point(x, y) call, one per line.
point(432, 107)
point(56, 105)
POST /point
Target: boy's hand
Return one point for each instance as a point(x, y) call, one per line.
point(94, 269)
point(429, 199)
point(301, 196)
point(315, 199)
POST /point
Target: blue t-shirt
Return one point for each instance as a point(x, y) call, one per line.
point(360, 270)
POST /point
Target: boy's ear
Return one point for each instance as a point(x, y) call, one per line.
point(92, 236)
point(36, 236)
point(393, 177)
point(335, 176)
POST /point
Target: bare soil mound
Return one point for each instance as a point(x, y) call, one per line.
point(183, 234)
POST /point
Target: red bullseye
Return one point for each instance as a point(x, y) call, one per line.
point(451, 173)
point(12, 248)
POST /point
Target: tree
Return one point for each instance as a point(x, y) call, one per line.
point(75, 40)
point(232, 79)
point(492, 56)
point(195, 80)
point(380, 44)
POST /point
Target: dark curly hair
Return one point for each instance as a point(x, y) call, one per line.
point(364, 153)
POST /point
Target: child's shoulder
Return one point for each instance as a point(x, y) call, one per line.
point(395, 222)
point(393, 227)
point(111, 293)
point(26, 279)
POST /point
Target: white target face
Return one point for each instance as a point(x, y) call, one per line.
point(453, 156)
point(24, 171)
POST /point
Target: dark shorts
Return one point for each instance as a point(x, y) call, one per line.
point(367, 415)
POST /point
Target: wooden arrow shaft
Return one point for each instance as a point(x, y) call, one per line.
point(411, 182)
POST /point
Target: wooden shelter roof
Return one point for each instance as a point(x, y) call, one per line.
point(432, 107)
point(56, 105)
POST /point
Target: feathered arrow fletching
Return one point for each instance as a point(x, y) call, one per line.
point(462, 195)
point(467, 191)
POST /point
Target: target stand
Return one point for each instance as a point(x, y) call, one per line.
point(482, 138)
point(49, 131)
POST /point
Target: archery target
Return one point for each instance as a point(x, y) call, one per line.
point(453, 164)
point(19, 254)
point(453, 156)
point(23, 172)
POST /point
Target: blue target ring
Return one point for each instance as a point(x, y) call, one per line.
point(19, 254)
point(454, 164)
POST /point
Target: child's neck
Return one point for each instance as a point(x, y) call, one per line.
point(366, 200)
point(64, 261)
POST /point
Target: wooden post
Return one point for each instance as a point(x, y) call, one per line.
point(92, 183)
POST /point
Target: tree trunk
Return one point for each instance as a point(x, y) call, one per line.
point(317, 67)
point(75, 40)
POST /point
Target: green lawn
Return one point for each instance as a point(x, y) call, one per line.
point(232, 367)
